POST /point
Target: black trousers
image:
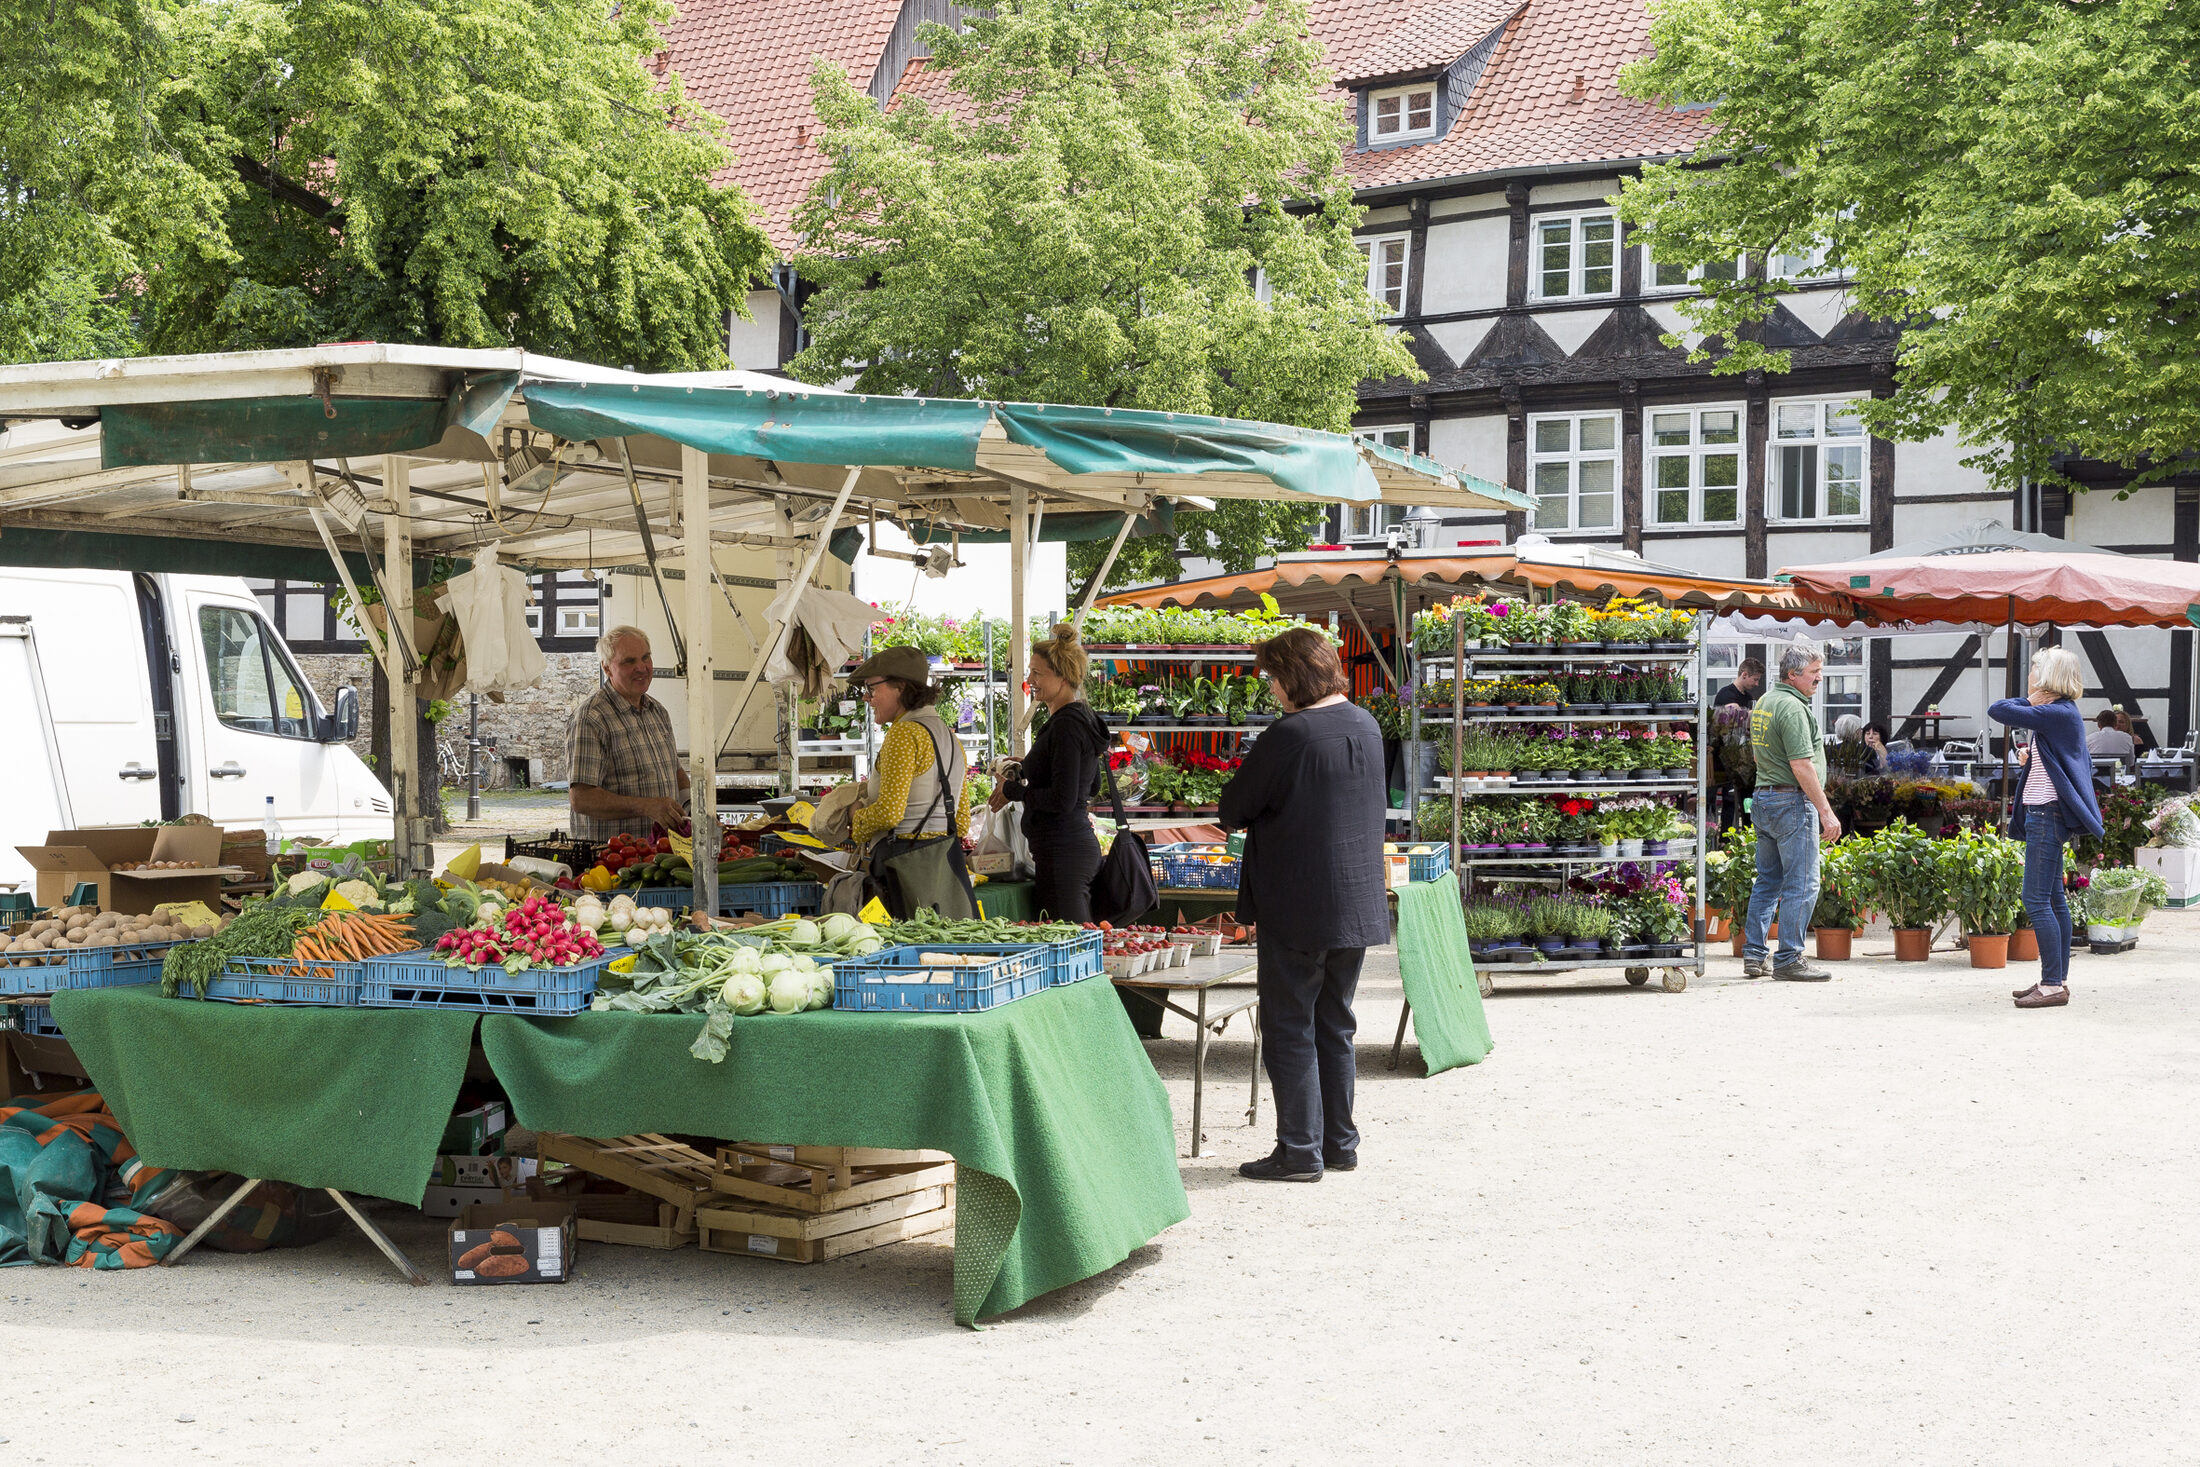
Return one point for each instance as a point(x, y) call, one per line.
point(1306, 1029)
point(1062, 872)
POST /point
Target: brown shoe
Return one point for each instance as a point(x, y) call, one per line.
point(2021, 992)
point(2042, 996)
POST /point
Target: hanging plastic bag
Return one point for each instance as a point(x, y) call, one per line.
point(1002, 849)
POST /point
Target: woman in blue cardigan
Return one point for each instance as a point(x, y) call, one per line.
point(2057, 796)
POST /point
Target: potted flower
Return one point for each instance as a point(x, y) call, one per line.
point(1547, 918)
point(1665, 919)
point(2118, 900)
point(1840, 910)
point(1983, 874)
point(1906, 880)
point(1730, 873)
point(1589, 926)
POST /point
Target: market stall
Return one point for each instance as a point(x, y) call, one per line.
point(368, 459)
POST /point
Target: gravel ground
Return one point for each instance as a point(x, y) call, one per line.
point(1887, 1219)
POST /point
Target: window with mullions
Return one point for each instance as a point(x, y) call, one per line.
point(1695, 465)
point(1573, 462)
point(1680, 277)
point(1386, 269)
point(1841, 690)
point(1406, 112)
point(1817, 461)
point(1576, 255)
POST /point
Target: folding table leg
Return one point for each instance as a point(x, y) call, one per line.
point(1397, 1045)
point(191, 1240)
point(374, 1235)
point(1199, 1073)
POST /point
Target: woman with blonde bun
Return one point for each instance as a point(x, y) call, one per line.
point(1058, 779)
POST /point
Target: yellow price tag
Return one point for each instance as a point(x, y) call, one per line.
point(874, 913)
point(800, 813)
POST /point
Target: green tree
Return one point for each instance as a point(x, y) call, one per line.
point(1073, 210)
point(279, 172)
point(2012, 182)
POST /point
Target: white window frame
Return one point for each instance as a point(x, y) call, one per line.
point(1405, 128)
point(1695, 452)
point(1819, 445)
point(1845, 686)
point(1801, 268)
point(1574, 457)
point(1651, 286)
point(1373, 248)
point(1577, 251)
point(579, 620)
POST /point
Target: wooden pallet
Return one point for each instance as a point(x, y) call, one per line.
point(791, 1237)
point(828, 1178)
point(630, 1219)
point(656, 1166)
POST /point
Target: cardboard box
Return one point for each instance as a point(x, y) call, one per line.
point(71, 856)
point(470, 1131)
point(509, 1173)
point(539, 1233)
point(2179, 868)
point(442, 1201)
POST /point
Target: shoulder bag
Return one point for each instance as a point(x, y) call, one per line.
point(911, 871)
point(1123, 886)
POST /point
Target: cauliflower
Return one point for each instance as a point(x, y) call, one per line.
point(360, 894)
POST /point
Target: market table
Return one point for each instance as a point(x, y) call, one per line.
point(1061, 1131)
point(1201, 976)
point(1002, 900)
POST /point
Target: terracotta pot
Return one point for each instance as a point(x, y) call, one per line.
point(1714, 924)
point(1913, 944)
point(1989, 950)
point(2024, 946)
point(1833, 943)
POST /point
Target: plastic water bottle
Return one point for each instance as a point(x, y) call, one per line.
point(274, 831)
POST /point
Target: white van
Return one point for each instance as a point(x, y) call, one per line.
point(130, 697)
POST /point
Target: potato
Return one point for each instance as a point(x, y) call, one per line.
point(102, 939)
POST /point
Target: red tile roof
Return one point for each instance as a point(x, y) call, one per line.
point(1526, 113)
point(1440, 34)
point(750, 61)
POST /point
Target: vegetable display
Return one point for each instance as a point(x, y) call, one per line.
point(349, 937)
point(622, 920)
point(263, 931)
point(80, 927)
point(535, 933)
point(926, 926)
point(720, 975)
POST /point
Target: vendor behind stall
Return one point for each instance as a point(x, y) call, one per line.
point(920, 810)
point(626, 773)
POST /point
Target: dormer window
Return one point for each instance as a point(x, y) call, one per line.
point(1402, 112)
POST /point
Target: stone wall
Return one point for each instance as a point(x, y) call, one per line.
point(529, 724)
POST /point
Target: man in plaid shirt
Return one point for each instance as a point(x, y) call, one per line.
point(626, 772)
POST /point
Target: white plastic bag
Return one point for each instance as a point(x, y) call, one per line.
point(1002, 849)
point(490, 603)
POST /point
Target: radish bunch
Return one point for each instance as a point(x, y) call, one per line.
point(536, 933)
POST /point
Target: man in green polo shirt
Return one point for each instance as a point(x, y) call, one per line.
point(1791, 815)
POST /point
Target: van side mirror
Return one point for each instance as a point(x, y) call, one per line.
point(341, 725)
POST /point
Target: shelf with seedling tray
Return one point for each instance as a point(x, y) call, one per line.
point(1116, 722)
point(1128, 652)
point(1566, 713)
point(1443, 782)
point(1634, 652)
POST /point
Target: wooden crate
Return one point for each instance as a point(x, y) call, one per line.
point(796, 1237)
point(656, 1166)
point(826, 1178)
point(630, 1219)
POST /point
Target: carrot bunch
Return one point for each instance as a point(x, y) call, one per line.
point(349, 937)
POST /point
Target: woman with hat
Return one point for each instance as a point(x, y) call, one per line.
point(919, 798)
point(1057, 780)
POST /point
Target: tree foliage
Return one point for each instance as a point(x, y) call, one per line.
point(2014, 182)
point(228, 174)
point(1072, 209)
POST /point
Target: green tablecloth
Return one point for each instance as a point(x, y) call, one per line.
point(1065, 1146)
point(1438, 973)
point(1061, 1130)
point(348, 1098)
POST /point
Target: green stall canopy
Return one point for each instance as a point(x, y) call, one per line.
point(1075, 527)
point(278, 429)
point(174, 555)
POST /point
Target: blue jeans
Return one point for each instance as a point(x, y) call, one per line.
point(1787, 873)
point(2044, 835)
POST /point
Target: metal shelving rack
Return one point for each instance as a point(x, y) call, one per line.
point(1637, 969)
point(1115, 653)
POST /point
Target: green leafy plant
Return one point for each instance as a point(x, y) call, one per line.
point(1841, 887)
point(1982, 874)
point(2121, 896)
point(1730, 872)
point(1905, 877)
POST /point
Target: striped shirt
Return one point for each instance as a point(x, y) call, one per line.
point(2039, 786)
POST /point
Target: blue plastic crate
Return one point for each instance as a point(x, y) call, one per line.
point(1186, 865)
point(1425, 860)
point(121, 966)
point(280, 981)
point(894, 980)
point(421, 980)
point(675, 897)
point(36, 1018)
point(1074, 958)
point(772, 898)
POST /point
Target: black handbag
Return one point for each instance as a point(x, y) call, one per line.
point(913, 871)
point(1122, 889)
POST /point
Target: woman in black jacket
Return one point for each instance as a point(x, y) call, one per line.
point(1310, 796)
point(1057, 780)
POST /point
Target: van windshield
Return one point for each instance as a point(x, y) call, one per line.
point(253, 684)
